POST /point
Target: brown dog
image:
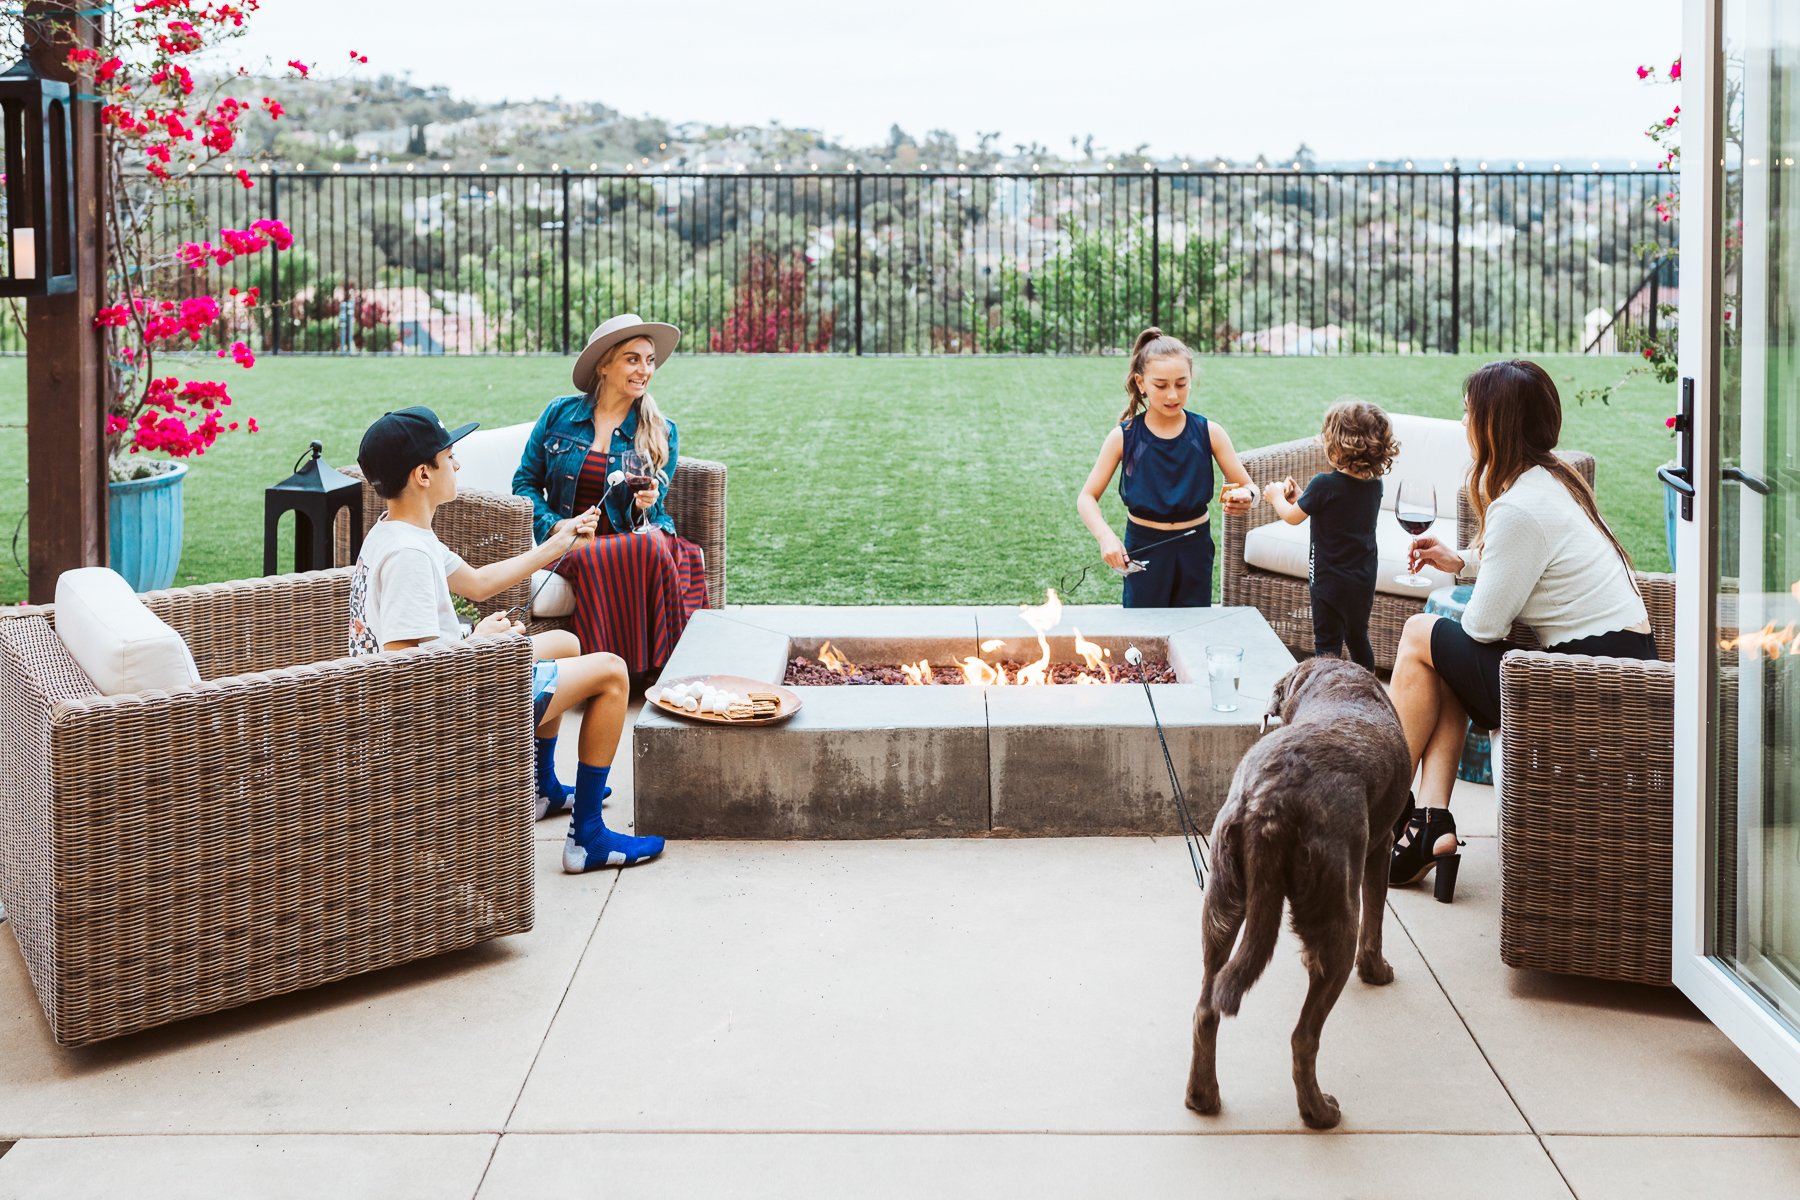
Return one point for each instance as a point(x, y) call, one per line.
point(1310, 819)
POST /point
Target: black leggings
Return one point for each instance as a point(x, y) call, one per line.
point(1340, 618)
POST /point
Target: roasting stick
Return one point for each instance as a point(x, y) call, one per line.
point(1198, 848)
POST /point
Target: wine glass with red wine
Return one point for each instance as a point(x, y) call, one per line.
point(639, 476)
point(1415, 507)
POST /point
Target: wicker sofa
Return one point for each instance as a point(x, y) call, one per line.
point(1282, 597)
point(1585, 780)
point(275, 827)
point(486, 522)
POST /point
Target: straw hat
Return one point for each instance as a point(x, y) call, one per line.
point(622, 328)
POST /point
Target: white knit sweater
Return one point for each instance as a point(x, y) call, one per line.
point(1546, 564)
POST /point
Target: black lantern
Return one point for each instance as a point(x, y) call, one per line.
point(313, 493)
point(39, 194)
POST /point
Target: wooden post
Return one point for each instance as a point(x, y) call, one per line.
point(65, 377)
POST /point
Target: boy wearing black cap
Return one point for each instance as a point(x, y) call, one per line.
point(400, 598)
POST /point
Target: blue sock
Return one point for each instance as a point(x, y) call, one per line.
point(552, 793)
point(590, 843)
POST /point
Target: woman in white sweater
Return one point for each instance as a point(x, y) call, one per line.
point(1543, 556)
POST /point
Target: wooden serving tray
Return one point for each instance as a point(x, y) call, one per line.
point(788, 700)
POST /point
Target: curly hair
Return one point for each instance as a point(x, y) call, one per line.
point(1358, 439)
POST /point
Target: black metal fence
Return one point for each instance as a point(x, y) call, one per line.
point(1291, 262)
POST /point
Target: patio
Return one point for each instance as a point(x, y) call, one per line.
point(897, 1017)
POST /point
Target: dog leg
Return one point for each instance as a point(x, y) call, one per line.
point(1328, 969)
point(1220, 919)
point(1371, 967)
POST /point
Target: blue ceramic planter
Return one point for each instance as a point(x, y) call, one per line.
point(144, 528)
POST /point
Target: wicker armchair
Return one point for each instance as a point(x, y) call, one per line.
point(485, 527)
point(1284, 600)
point(1586, 807)
point(273, 828)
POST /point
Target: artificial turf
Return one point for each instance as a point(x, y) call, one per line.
point(855, 481)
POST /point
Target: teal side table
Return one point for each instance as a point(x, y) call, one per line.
point(1477, 765)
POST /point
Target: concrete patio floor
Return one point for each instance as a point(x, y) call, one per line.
point(947, 1018)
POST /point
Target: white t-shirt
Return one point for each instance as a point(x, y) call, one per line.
point(400, 590)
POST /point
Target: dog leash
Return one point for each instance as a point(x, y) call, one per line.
point(1198, 847)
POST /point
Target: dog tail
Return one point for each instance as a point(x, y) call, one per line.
point(1254, 857)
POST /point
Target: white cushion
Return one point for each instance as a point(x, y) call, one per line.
point(489, 457)
point(556, 600)
point(123, 646)
point(1433, 450)
point(1283, 549)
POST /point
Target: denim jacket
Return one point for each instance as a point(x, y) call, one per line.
point(551, 465)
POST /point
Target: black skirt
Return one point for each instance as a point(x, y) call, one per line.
point(1472, 668)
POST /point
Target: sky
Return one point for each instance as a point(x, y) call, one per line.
point(1353, 79)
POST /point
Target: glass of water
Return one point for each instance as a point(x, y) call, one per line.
point(1224, 667)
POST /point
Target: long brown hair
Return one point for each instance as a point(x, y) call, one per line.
point(1515, 418)
point(1152, 343)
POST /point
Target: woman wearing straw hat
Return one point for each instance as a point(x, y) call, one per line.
point(610, 448)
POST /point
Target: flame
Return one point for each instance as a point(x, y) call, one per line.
point(1094, 656)
point(919, 675)
point(977, 672)
point(1042, 618)
point(1767, 640)
point(993, 644)
point(833, 661)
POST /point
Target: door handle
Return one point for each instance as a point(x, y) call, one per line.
point(1680, 479)
point(1749, 479)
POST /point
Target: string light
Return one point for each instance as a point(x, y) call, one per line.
point(1109, 166)
point(409, 167)
point(299, 166)
point(556, 166)
point(1221, 165)
point(1409, 165)
point(815, 166)
point(1596, 166)
point(962, 166)
point(1371, 166)
point(334, 167)
point(1634, 165)
point(1148, 167)
point(1448, 166)
point(446, 168)
point(1184, 166)
point(1484, 166)
point(520, 166)
point(1521, 166)
point(1296, 166)
point(265, 168)
point(484, 167)
point(1556, 167)
point(593, 167)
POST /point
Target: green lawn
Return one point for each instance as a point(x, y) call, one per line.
point(860, 480)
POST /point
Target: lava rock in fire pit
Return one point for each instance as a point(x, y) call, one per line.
point(804, 672)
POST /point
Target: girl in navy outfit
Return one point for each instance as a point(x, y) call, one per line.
point(1343, 504)
point(1168, 455)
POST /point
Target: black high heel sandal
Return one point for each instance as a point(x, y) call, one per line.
point(1425, 828)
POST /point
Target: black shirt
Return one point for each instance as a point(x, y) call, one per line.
point(1342, 510)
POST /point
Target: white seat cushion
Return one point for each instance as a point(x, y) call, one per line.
point(489, 457)
point(123, 646)
point(1433, 450)
point(557, 599)
point(1283, 549)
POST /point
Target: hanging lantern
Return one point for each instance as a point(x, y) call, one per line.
point(37, 201)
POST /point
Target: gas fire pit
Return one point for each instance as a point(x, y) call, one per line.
point(948, 749)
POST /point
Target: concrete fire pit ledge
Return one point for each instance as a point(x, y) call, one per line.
point(950, 760)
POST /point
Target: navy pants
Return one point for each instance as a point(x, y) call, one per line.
point(1340, 617)
point(1178, 575)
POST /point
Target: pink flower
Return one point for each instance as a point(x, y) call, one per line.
point(113, 316)
point(1728, 314)
point(275, 231)
point(252, 424)
point(299, 66)
point(1670, 423)
point(108, 69)
point(1675, 69)
point(82, 54)
point(1647, 353)
point(1668, 121)
point(240, 354)
point(1643, 72)
point(274, 106)
point(361, 58)
point(243, 177)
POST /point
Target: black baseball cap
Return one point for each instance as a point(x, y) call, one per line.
point(405, 439)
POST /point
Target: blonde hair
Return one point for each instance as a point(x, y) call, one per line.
point(1152, 343)
point(652, 440)
point(1358, 438)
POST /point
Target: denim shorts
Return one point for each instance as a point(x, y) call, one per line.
point(543, 686)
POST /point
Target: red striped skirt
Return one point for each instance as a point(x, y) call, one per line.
point(634, 594)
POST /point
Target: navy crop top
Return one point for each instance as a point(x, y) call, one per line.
point(1166, 479)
